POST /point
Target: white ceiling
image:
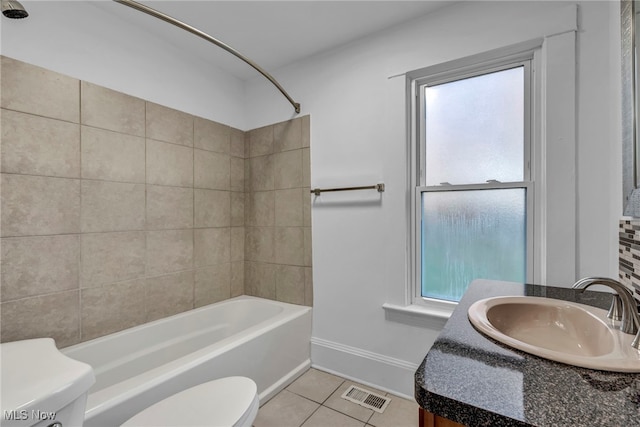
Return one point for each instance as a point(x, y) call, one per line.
point(271, 33)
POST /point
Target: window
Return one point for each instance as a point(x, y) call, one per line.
point(473, 200)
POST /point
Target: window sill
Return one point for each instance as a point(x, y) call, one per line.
point(417, 315)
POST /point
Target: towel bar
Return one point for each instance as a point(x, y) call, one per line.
point(378, 187)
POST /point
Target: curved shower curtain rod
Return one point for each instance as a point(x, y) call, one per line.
point(193, 30)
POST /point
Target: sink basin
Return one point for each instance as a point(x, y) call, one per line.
point(562, 331)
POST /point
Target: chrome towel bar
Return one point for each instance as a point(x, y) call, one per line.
point(378, 187)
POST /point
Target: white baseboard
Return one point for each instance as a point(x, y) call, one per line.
point(386, 373)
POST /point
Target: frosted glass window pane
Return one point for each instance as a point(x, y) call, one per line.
point(467, 235)
point(475, 129)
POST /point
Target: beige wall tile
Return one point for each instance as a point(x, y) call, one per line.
point(237, 174)
point(212, 208)
point(260, 141)
point(306, 167)
point(211, 136)
point(237, 209)
point(237, 243)
point(287, 169)
point(237, 148)
point(246, 145)
point(260, 209)
point(24, 86)
point(169, 164)
point(287, 135)
point(212, 246)
point(112, 308)
point(55, 316)
point(112, 257)
point(212, 170)
point(288, 207)
point(169, 251)
point(308, 253)
point(33, 205)
point(259, 244)
point(260, 176)
point(306, 130)
point(112, 156)
point(169, 295)
point(290, 284)
point(112, 206)
point(169, 125)
point(212, 284)
point(169, 207)
point(36, 145)
point(38, 265)
point(237, 278)
point(107, 109)
point(308, 286)
point(260, 279)
point(247, 175)
point(306, 206)
point(289, 245)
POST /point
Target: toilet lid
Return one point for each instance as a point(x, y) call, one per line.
point(220, 402)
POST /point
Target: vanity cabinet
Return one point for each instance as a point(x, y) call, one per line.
point(427, 419)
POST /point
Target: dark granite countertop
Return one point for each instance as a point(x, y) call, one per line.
point(476, 381)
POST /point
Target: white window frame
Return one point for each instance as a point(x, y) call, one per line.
point(526, 54)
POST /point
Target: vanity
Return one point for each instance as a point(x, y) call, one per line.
point(469, 379)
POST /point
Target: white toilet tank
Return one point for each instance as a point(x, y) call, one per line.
point(40, 386)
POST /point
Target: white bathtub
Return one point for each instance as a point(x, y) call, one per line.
point(264, 340)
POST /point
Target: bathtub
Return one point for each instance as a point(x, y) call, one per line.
point(264, 340)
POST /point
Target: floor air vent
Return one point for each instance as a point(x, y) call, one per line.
point(367, 399)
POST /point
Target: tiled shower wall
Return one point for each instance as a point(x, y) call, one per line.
point(115, 211)
point(278, 218)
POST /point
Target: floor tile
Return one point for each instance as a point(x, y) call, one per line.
point(399, 413)
point(286, 409)
point(316, 385)
point(335, 401)
point(314, 400)
point(325, 417)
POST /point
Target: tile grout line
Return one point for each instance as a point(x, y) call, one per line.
point(311, 415)
point(193, 213)
point(145, 289)
point(330, 408)
point(366, 423)
point(80, 278)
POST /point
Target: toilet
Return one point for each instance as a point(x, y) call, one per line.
point(231, 401)
point(41, 387)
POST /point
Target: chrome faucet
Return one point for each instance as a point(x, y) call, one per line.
point(623, 306)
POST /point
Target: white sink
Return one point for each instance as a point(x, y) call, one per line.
point(562, 331)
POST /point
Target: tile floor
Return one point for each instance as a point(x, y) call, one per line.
point(313, 400)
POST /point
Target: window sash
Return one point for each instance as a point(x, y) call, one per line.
point(421, 84)
point(529, 200)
